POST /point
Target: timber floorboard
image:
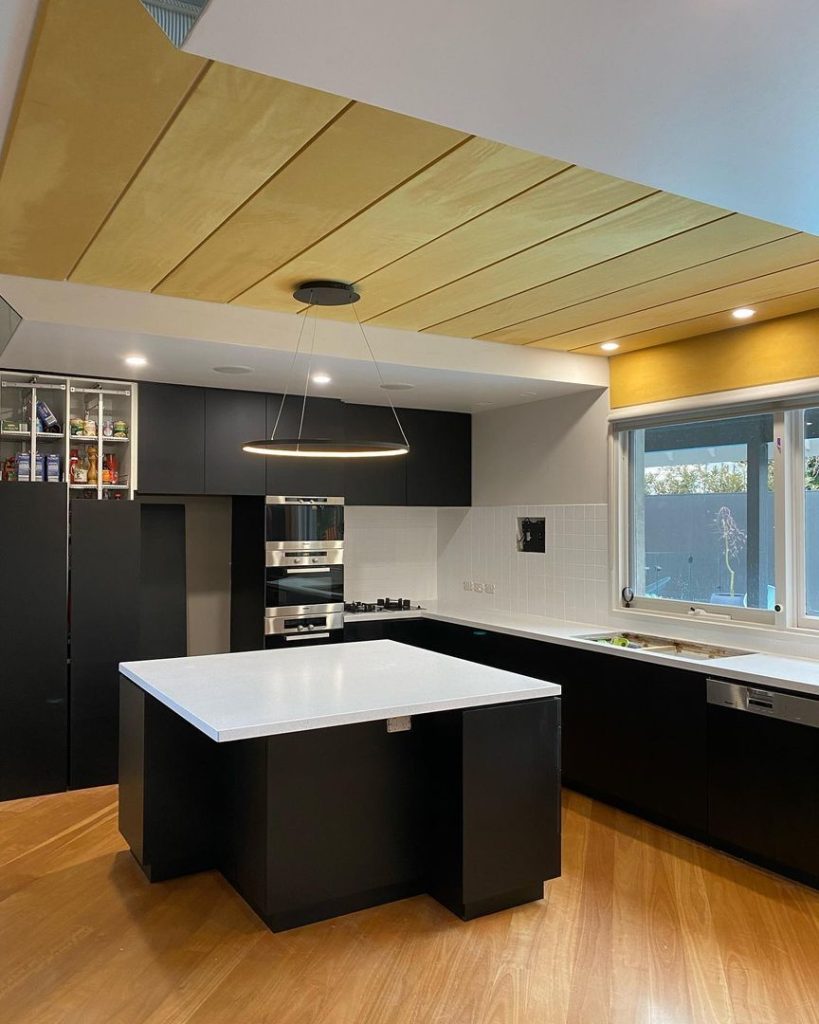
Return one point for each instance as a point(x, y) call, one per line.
point(644, 927)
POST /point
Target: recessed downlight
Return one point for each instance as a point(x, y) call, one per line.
point(321, 378)
point(743, 313)
point(233, 369)
point(136, 360)
point(396, 386)
point(610, 346)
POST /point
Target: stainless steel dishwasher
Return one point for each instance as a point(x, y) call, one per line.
point(763, 776)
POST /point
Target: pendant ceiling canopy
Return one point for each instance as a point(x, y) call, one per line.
point(326, 293)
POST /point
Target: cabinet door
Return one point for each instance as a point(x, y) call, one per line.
point(374, 481)
point(33, 684)
point(105, 548)
point(636, 734)
point(231, 419)
point(323, 417)
point(439, 464)
point(171, 439)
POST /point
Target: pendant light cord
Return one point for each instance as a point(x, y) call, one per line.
point(378, 371)
point(307, 377)
point(290, 367)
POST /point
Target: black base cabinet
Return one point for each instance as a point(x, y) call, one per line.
point(33, 635)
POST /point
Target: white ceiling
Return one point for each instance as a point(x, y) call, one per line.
point(86, 330)
point(711, 99)
point(16, 23)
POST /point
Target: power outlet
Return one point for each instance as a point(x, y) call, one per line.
point(479, 588)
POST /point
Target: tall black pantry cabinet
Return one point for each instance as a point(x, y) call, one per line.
point(127, 597)
point(33, 681)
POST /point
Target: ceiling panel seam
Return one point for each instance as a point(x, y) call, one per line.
point(581, 270)
point(177, 110)
point(294, 156)
point(503, 259)
point(358, 213)
point(687, 320)
point(684, 298)
point(463, 223)
point(645, 281)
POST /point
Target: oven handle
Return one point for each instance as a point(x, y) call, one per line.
point(293, 572)
point(306, 636)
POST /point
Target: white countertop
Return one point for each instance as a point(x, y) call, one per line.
point(264, 693)
point(798, 674)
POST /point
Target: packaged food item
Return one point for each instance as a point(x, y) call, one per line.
point(120, 428)
point(23, 461)
point(46, 419)
point(77, 426)
point(90, 427)
point(39, 467)
point(108, 427)
point(110, 469)
point(81, 470)
point(52, 468)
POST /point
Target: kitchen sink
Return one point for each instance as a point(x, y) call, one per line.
point(663, 645)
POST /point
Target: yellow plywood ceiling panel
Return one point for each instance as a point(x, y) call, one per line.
point(361, 156)
point(766, 259)
point(468, 181)
point(721, 237)
point(234, 132)
point(657, 216)
point(720, 300)
point(559, 204)
point(780, 350)
point(102, 83)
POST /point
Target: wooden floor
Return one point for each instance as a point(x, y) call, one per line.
point(643, 928)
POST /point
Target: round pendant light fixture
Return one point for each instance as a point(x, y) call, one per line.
point(326, 293)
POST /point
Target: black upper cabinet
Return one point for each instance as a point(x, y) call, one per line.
point(374, 481)
point(323, 418)
point(439, 464)
point(33, 680)
point(171, 439)
point(231, 419)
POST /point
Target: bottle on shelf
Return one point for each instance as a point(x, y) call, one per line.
point(92, 465)
point(74, 458)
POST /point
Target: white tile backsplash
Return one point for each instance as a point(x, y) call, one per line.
point(569, 581)
point(390, 552)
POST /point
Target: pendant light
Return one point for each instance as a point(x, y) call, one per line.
point(325, 293)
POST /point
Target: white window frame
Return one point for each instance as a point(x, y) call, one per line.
point(796, 490)
point(786, 528)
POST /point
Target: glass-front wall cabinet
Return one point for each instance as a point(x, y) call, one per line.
point(73, 430)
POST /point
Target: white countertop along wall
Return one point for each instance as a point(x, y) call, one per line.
point(758, 668)
point(265, 693)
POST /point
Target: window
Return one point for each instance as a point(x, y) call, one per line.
point(720, 513)
point(810, 517)
point(701, 528)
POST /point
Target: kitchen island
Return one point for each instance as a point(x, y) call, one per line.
point(323, 780)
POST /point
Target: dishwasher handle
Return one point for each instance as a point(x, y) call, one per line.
point(785, 707)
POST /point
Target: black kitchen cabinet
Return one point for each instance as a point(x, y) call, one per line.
point(105, 560)
point(139, 550)
point(381, 481)
point(323, 418)
point(231, 419)
point(439, 463)
point(33, 677)
point(171, 439)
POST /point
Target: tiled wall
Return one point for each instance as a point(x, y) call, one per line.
point(390, 552)
point(569, 581)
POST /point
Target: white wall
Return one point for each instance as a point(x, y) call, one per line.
point(552, 452)
point(390, 552)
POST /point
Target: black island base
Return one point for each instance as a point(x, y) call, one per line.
point(463, 805)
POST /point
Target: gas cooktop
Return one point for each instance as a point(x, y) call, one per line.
point(383, 604)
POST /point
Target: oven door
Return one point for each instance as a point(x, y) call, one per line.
point(303, 630)
point(299, 590)
point(308, 521)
